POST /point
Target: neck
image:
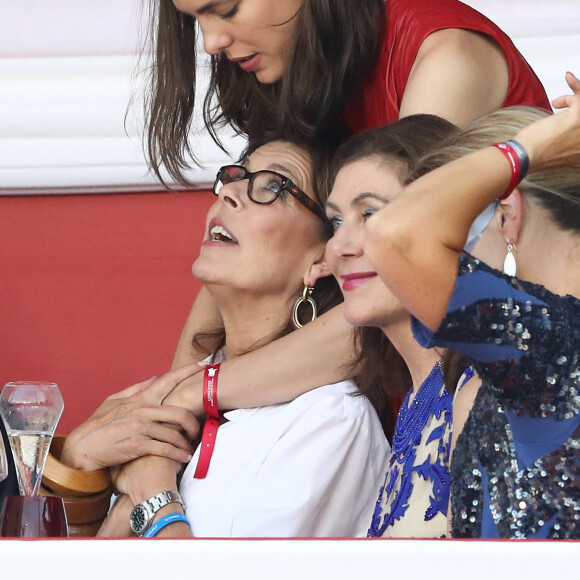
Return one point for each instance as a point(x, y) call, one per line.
point(419, 360)
point(251, 321)
point(547, 255)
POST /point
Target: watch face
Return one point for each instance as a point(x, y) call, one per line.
point(138, 519)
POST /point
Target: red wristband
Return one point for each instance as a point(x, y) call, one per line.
point(210, 407)
point(519, 163)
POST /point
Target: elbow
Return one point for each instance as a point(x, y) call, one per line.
point(388, 239)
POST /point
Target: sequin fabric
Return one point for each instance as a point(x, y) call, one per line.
point(413, 501)
point(516, 465)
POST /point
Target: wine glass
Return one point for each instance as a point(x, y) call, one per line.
point(30, 411)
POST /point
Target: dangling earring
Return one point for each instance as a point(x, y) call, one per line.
point(306, 297)
point(509, 264)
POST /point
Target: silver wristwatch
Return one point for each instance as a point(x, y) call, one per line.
point(143, 513)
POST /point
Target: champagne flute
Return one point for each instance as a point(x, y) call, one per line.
point(30, 411)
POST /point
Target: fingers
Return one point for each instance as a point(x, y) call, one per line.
point(563, 102)
point(566, 101)
point(158, 390)
point(133, 390)
point(175, 416)
point(188, 394)
point(573, 82)
point(168, 451)
point(138, 446)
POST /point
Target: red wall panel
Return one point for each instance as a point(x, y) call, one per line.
point(94, 289)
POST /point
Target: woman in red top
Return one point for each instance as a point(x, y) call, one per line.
point(304, 63)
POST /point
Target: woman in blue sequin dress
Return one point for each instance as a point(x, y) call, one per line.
point(413, 500)
point(516, 466)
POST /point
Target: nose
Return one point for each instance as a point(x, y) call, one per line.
point(233, 194)
point(344, 244)
point(215, 37)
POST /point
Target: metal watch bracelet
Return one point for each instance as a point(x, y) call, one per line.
point(143, 513)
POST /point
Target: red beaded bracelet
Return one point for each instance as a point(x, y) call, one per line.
point(519, 163)
point(210, 407)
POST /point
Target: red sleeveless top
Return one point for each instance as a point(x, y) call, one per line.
point(408, 23)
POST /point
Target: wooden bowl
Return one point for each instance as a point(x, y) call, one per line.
point(84, 510)
point(67, 481)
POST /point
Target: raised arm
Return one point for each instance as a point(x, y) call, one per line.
point(458, 75)
point(415, 241)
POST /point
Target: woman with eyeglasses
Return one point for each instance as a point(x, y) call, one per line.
point(311, 467)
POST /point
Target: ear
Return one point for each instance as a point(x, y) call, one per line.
point(315, 271)
point(511, 209)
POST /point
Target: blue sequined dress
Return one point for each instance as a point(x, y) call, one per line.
point(516, 467)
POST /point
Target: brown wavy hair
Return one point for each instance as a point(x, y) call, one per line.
point(336, 45)
point(379, 370)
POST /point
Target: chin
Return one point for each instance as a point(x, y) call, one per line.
point(357, 317)
point(203, 271)
point(267, 77)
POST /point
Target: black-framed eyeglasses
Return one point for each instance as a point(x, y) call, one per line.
point(265, 187)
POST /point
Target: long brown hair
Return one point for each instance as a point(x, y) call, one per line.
point(379, 370)
point(335, 46)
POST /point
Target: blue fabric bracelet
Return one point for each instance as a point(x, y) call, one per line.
point(522, 156)
point(165, 521)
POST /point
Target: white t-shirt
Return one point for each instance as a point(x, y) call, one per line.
point(311, 467)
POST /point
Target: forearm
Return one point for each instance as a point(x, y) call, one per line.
point(204, 315)
point(439, 208)
point(315, 355)
point(318, 354)
point(416, 240)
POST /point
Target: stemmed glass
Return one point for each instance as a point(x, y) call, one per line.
point(30, 411)
point(3, 461)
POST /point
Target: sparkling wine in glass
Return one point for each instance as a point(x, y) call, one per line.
point(30, 411)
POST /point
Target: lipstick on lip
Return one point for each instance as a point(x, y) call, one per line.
point(356, 279)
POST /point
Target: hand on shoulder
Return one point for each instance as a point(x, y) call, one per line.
point(133, 423)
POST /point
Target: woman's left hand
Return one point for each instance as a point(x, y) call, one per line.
point(554, 141)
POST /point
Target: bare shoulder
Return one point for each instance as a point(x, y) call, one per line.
point(457, 74)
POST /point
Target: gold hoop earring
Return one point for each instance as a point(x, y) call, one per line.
point(306, 297)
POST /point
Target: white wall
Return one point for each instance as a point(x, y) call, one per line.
point(66, 78)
